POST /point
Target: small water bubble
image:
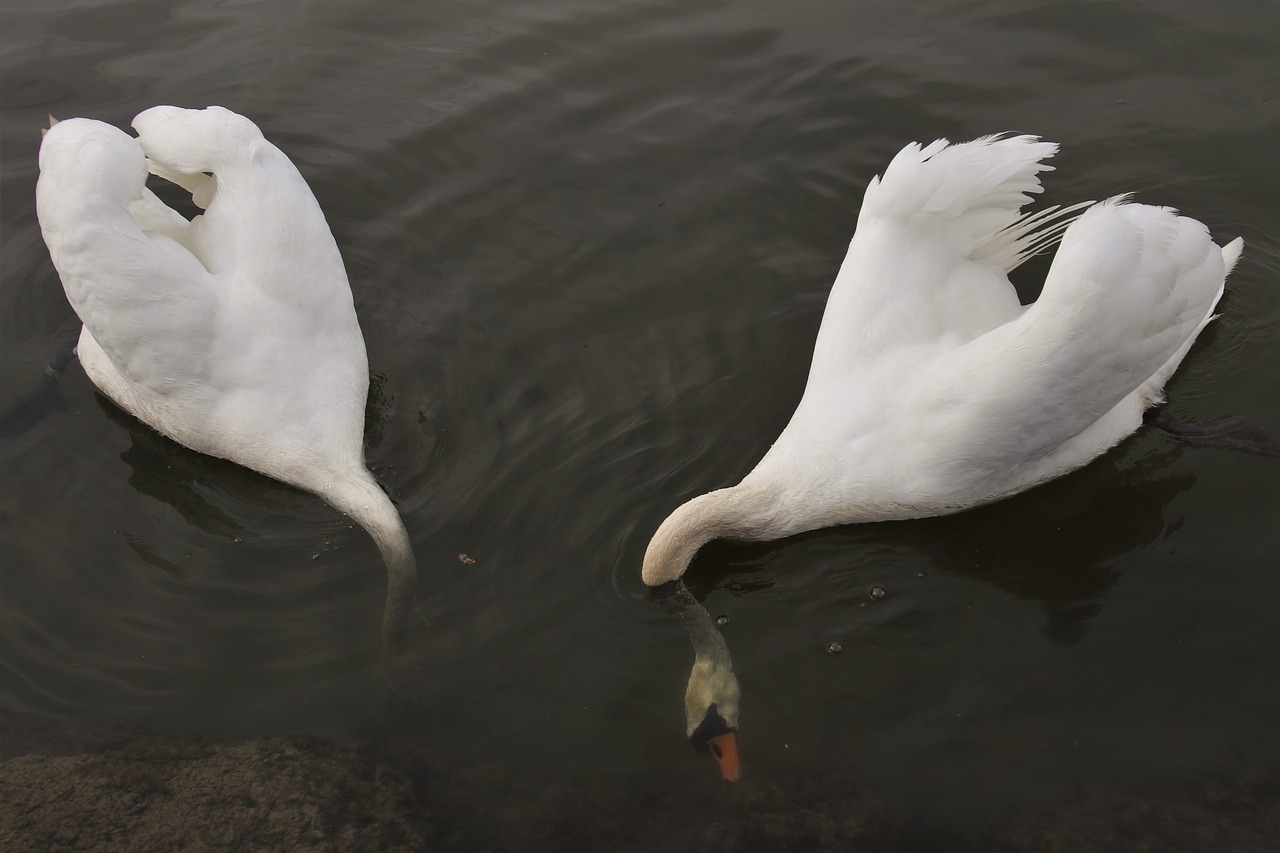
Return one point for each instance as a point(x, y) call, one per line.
point(722, 620)
point(835, 648)
point(919, 574)
point(238, 540)
point(877, 592)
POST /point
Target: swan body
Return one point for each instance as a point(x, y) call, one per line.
point(932, 390)
point(234, 334)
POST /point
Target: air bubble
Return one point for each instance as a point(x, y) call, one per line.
point(877, 592)
point(835, 648)
point(722, 620)
point(238, 540)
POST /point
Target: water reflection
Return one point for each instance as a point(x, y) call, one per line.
point(42, 400)
point(188, 481)
point(1060, 546)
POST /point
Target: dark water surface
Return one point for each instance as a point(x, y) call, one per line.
point(589, 245)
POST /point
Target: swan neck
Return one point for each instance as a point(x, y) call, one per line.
point(360, 497)
point(741, 512)
point(712, 680)
point(707, 641)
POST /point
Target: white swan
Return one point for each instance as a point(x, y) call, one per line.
point(932, 390)
point(233, 334)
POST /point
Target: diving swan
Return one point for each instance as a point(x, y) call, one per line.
point(234, 334)
point(932, 390)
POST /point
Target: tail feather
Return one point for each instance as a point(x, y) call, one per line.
point(1231, 253)
point(1029, 236)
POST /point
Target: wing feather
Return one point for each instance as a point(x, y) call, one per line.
point(1131, 287)
point(143, 296)
point(935, 240)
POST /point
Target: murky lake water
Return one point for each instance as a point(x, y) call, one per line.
point(590, 246)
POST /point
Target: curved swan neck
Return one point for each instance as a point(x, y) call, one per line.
point(708, 643)
point(711, 681)
point(359, 496)
point(743, 512)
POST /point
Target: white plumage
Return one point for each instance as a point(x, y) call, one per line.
point(932, 390)
point(233, 334)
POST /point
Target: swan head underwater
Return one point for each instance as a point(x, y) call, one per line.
point(932, 389)
point(712, 695)
point(711, 714)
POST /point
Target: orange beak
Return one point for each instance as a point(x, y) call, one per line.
point(724, 749)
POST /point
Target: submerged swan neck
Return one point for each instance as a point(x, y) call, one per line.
point(360, 496)
point(712, 682)
point(708, 643)
point(744, 512)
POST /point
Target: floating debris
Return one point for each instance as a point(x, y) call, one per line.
point(465, 560)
